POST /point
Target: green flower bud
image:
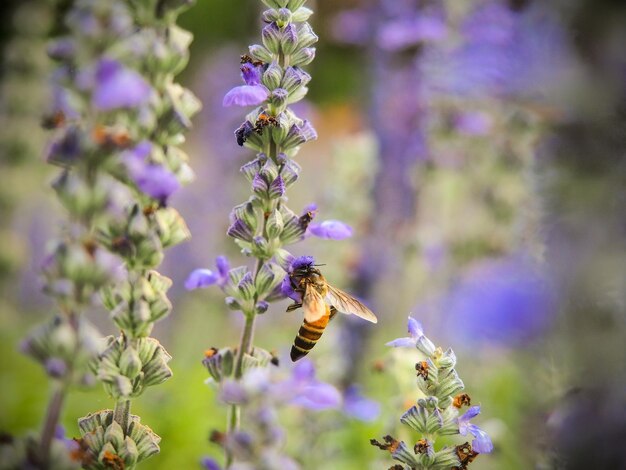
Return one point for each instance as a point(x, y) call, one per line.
point(272, 76)
point(128, 451)
point(284, 17)
point(234, 277)
point(293, 5)
point(445, 459)
point(303, 57)
point(130, 364)
point(219, 363)
point(274, 224)
point(301, 15)
point(258, 358)
point(292, 230)
point(232, 303)
point(259, 52)
point(114, 435)
point(283, 258)
point(246, 287)
point(306, 36)
point(271, 37)
point(171, 227)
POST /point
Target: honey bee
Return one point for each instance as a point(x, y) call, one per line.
point(320, 302)
point(264, 120)
point(246, 59)
point(111, 138)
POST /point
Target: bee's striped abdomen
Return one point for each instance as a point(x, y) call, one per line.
point(309, 334)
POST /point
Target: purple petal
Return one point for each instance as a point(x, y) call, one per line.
point(250, 74)
point(222, 266)
point(464, 419)
point(200, 278)
point(246, 95)
point(304, 370)
point(287, 290)
point(402, 343)
point(301, 262)
point(482, 444)
point(473, 123)
point(359, 407)
point(118, 87)
point(331, 230)
point(233, 392)
point(209, 464)
point(318, 396)
point(415, 328)
point(156, 181)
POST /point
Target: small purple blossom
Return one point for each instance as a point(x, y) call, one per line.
point(246, 95)
point(359, 407)
point(287, 290)
point(118, 87)
point(303, 389)
point(152, 179)
point(251, 74)
point(56, 367)
point(482, 442)
point(330, 230)
point(201, 278)
point(415, 333)
point(472, 123)
point(208, 463)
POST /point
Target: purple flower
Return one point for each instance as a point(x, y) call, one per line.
point(200, 278)
point(56, 367)
point(359, 407)
point(208, 463)
point(152, 179)
point(287, 290)
point(351, 27)
point(415, 333)
point(251, 75)
point(303, 389)
point(403, 33)
point(504, 301)
point(472, 123)
point(482, 442)
point(118, 87)
point(330, 230)
point(246, 95)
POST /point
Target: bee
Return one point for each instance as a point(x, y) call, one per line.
point(264, 120)
point(246, 59)
point(320, 302)
point(112, 138)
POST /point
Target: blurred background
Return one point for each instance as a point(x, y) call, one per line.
point(478, 150)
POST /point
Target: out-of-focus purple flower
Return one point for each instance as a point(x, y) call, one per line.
point(208, 463)
point(70, 444)
point(118, 87)
point(154, 180)
point(503, 53)
point(200, 278)
point(482, 442)
point(351, 27)
point(359, 407)
point(303, 389)
point(407, 32)
point(66, 149)
point(330, 230)
point(56, 367)
point(472, 123)
point(246, 95)
point(504, 301)
point(415, 333)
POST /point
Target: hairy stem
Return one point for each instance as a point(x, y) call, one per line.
point(51, 422)
point(121, 414)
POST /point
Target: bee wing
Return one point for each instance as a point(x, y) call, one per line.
point(313, 305)
point(347, 304)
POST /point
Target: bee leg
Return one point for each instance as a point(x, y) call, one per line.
point(294, 306)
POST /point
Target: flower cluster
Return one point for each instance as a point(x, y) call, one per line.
point(263, 395)
point(118, 119)
point(264, 225)
point(437, 411)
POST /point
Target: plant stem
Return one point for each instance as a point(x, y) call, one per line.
point(121, 414)
point(51, 422)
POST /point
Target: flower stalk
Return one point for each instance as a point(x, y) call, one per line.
point(263, 225)
point(118, 118)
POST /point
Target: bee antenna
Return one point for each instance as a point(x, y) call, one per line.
point(320, 264)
